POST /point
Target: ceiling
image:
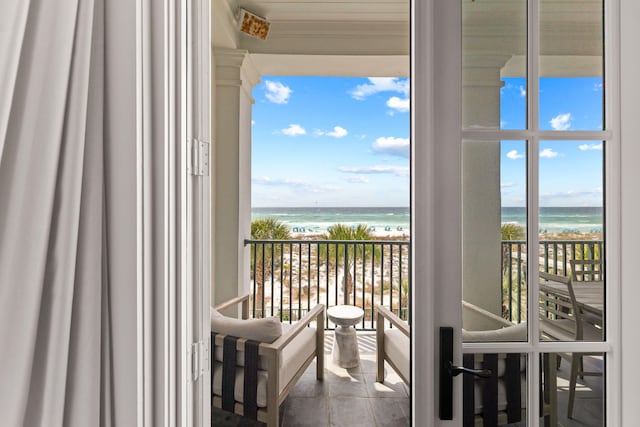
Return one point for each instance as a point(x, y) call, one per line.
point(307, 37)
point(371, 37)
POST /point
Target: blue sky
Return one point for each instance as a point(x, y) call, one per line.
point(330, 141)
point(336, 141)
point(570, 171)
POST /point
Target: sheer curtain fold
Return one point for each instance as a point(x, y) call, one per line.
point(54, 314)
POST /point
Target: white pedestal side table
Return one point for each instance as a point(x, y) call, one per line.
point(345, 343)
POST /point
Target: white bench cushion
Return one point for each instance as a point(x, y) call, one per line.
point(396, 347)
point(510, 333)
point(268, 329)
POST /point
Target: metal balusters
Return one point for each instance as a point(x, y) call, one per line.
point(354, 263)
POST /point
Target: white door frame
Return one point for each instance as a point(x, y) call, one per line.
point(436, 201)
point(195, 213)
point(629, 374)
point(173, 110)
point(435, 194)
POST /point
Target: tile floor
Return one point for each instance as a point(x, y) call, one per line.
point(588, 408)
point(348, 397)
point(353, 398)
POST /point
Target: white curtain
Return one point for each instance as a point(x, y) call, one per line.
point(56, 321)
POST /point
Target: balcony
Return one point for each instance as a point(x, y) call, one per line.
point(288, 277)
point(353, 397)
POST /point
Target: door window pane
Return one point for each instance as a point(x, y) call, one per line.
point(571, 237)
point(501, 397)
point(571, 65)
point(573, 396)
point(494, 64)
point(494, 240)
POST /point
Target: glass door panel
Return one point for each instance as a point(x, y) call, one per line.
point(573, 388)
point(494, 64)
point(571, 241)
point(494, 243)
point(571, 65)
point(533, 248)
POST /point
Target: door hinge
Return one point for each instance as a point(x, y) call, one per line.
point(199, 359)
point(199, 165)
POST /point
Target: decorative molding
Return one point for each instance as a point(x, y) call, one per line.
point(234, 67)
point(359, 29)
point(332, 65)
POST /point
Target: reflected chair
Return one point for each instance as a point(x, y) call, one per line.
point(586, 270)
point(501, 398)
point(561, 320)
point(498, 400)
point(251, 376)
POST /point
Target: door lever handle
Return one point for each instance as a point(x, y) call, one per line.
point(457, 370)
point(448, 370)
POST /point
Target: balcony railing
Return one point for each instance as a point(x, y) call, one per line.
point(288, 277)
point(554, 257)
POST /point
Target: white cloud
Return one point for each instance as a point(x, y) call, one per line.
point(277, 92)
point(514, 155)
point(358, 179)
point(293, 184)
point(394, 170)
point(253, 122)
point(548, 153)
point(380, 84)
point(571, 197)
point(338, 132)
point(586, 147)
point(294, 130)
point(561, 121)
point(597, 87)
point(401, 105)
point(393, 146)
point(506, 184)
point(523, 91)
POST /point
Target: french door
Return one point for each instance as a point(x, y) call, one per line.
point(515, 175)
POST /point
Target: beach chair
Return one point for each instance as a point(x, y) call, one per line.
point(256, 362)
point(586, 270)
point(498, 400)
point(561, 320)
point(501, 398)
point(392, 345)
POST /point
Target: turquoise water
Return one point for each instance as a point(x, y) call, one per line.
point(397, 219)
point(558, 219)
point(317, 220)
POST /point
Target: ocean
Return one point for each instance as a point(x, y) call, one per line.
point(396, 220)
point(392, 220)
point(559, 219)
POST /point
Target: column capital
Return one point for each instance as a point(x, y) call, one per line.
point(485, 60)
point(483, 69)
point(234, 67)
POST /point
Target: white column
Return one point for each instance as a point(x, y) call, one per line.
point(481, 215)
point(235, 77)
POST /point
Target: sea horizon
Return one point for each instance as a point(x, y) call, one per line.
point(396, 220)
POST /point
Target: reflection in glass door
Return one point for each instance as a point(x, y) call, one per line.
point(533, 211)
